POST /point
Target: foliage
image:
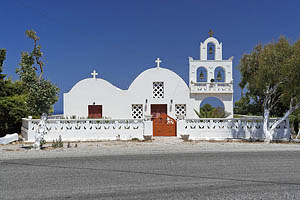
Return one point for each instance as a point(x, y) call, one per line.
point(294, 121)
point(41, 93)
point(270, 74)
point(2, 76)
point(31, 95)
point(12, 102)
point(244, 106)
point(58, 143)
point(207, 111)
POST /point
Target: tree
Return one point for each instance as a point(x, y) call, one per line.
point(208, 111)
point(31, 95)
point(245, 106)
point(41, 93)
point(270, 74)
point(12, 101)
point(2, 76)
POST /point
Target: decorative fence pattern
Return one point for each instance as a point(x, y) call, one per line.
point(212, 87)
point(126, 129)
point(249, 128)
point(85, 129)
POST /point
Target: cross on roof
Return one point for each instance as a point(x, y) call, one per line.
point(210, 33)
point(157, 62)
point(94, 74)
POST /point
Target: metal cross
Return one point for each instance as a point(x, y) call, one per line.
point(210, 33)
point(94, 74)
point(158, 61)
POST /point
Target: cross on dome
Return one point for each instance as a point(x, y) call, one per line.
point(94, 74)
point(158, 61)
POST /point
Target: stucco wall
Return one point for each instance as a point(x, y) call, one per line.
point(117, 103)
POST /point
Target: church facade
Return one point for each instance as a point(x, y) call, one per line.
point(157, 90)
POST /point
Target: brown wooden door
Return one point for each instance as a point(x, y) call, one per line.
point(157, 110)
point(95, 111)
point(164, 125)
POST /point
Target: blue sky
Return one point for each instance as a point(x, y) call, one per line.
point(121, 39)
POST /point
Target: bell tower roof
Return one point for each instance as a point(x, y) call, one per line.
point(204, 47)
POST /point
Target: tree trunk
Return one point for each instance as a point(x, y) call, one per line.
point(267, 131)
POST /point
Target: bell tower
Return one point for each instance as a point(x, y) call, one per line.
point(211, 76)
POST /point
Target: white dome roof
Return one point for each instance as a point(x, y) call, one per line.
point(156, 74)
point(94, 84)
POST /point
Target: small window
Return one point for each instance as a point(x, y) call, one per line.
point(158, 90)
point(137, 111)
point(180, 110)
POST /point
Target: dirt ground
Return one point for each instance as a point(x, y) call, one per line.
point(19, 150)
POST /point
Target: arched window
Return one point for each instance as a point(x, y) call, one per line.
point(219, 74)
point(201, 74)
point(211, 51)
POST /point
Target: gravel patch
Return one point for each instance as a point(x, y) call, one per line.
point(158, 145)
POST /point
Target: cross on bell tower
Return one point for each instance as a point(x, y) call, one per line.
point(158, 61)
point(211, 33)
point(94, 74)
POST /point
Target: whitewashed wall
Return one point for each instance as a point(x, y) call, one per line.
point(88, 129)
point(117, 103)
point(209, 129)
point(197, 129)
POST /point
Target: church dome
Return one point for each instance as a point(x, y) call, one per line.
point(93, 85)
point(157, 74)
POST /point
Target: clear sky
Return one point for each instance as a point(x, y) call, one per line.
point(122, 38)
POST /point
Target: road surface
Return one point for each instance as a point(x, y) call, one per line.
point(198, 175)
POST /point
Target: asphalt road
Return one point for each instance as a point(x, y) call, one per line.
point(229, 175)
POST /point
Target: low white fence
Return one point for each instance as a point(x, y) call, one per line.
point(85, 129)
point(223, 128)
point(126, 129)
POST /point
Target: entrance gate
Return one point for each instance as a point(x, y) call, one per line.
point(164, 125)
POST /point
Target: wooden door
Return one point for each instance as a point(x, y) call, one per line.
point(164, 125)
point(95, 111)
point(157, 110)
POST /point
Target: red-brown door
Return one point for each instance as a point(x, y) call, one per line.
point(157, 110)
point(95, 111)
point(163, 125)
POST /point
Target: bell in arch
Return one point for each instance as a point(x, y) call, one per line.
point(219, 76)
point(201, 75)
point(210, 51)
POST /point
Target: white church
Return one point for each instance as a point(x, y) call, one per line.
point(157, 103)
point(157, 90)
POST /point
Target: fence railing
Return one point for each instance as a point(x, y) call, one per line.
point(230, 128)
point(126, 129)
point(200, 87)
point(85, 129)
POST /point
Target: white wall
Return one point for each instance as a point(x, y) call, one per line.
point(127, 129)
point(210, 129)
point(83, 130)
point(117, 103)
